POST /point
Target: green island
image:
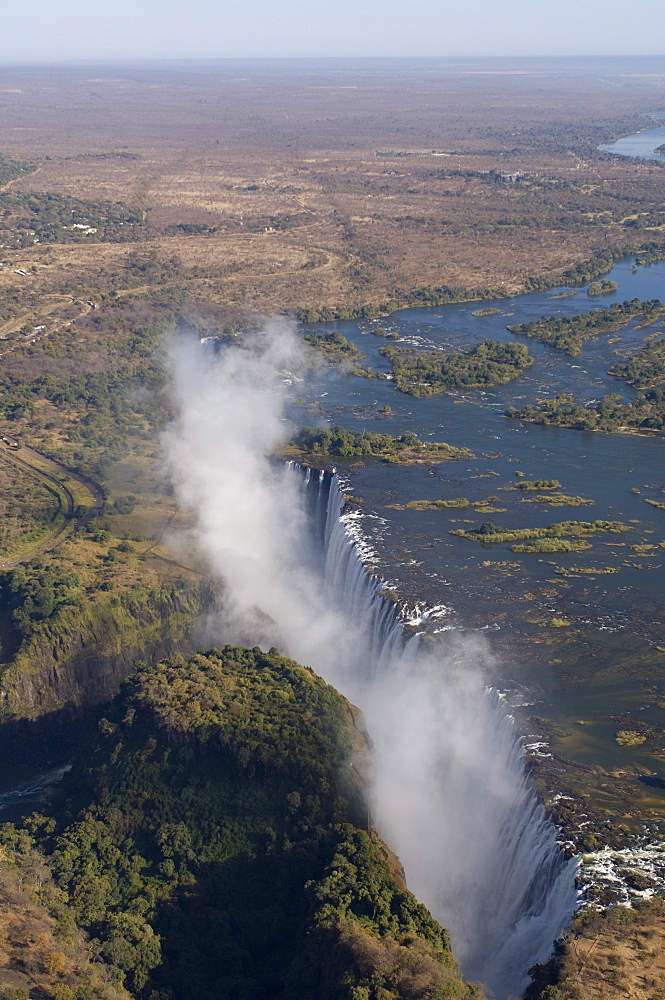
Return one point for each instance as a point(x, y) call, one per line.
point(490, 311)
point(604, 287)
point(213, 841)
point(644, 414)
point(557, 500)
point(564, 536)
point(336, 349)
point(529, 485)
point(458, 503)
point(569, 334)
point(336, 442)
point(429, 373)
point(646, 368)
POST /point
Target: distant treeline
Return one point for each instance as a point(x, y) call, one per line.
point(581, 274)
point(10, 169)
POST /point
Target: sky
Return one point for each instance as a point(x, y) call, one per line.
point(46, 31)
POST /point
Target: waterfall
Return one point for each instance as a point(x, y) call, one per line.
point(451, 794)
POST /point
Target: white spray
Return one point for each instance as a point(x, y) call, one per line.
point(450, 791)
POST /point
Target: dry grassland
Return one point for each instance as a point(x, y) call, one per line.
point(617, 955)
point(338, 158)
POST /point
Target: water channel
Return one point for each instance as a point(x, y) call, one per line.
point(584, 681)
point(642, 145)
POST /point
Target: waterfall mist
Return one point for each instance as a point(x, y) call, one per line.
point(450, 793)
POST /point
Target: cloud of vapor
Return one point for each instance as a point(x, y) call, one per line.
point(450, 793)
point(251, 525)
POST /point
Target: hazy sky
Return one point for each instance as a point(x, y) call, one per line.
point(44, 30)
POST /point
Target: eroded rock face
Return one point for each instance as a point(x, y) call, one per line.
point(60, 673)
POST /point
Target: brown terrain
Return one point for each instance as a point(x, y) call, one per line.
point(263, 188)
point(619, 954)
point(319, 180)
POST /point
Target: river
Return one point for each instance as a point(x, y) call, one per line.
point(642, 144)
point(600, 672)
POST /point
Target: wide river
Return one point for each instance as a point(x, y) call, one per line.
point(601, 671)
point(642, 144)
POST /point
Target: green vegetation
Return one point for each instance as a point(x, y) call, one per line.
point(428, 373)
point(32, 594)
point(458, 503)
point(594, 268)
point(45, 217)
point(43, 952)
point(527, 485)
point(490, 311)
point(207, 841)
point(340, 443)
point(582, 274)
point(586, 570)
point(569, 334)
point(49, 613)
point(646, 369)
point(99, 411)
point(546, 545)
point(630, 738)
point(29, 508)
point(597, 288)
point(10, 169)
point(334, 346)
point(644, 413)
point(557, 500)
point(403, 297)
point(336, 349)
point(489, 533)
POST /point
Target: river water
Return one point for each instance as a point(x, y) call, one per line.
point(642, 145)
point(603, 670)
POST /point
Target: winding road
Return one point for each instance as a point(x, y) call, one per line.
point(53, 473)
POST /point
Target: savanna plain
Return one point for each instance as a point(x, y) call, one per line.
point(210, 838)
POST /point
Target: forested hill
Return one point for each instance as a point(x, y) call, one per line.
point(209, 839)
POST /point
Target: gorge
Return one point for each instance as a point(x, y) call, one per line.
point(449, 790)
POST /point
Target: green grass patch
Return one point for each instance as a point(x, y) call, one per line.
point(528, 485)
point(552, 545)
point(493, 534)
point(630, 738)
point(557, 500)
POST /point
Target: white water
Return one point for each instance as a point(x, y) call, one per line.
point(450, 792)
